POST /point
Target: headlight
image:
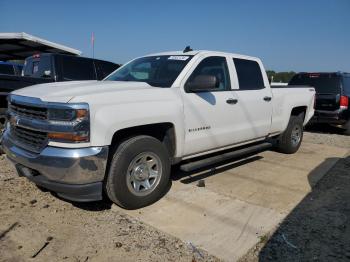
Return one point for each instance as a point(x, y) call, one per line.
point(73, 121)
point(67, 114)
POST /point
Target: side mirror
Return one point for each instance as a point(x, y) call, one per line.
point(202, 83)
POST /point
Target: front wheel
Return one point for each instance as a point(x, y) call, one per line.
point(139, 172)
point(290, 140)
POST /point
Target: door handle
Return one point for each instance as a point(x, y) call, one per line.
point(267, 98)
point(232, 101)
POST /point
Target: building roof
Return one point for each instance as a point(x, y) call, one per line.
point(18, 46)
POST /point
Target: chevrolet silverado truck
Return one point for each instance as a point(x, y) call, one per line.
point(48, 67)
point(120, 137)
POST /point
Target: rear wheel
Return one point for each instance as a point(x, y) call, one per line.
point(290, 140)
point(139, 172)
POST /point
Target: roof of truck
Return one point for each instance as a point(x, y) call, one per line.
point(21, 45)
point(196, 52)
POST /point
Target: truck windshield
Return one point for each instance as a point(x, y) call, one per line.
point(159, 71)
point(323, 83)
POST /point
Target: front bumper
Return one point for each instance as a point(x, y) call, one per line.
point(75, 174)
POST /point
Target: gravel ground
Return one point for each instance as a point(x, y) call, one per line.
point(318, 228)
point(324, 134)
point(37, 224)
point(80, 232)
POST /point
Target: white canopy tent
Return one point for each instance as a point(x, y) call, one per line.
point(18, 46)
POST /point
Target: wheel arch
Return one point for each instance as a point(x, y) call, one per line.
point(164, 132)
point(299, 111)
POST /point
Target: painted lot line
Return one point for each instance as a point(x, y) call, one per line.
point(241, 201)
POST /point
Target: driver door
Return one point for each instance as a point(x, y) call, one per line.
point(209, 115)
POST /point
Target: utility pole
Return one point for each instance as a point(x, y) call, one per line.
point(93, 44)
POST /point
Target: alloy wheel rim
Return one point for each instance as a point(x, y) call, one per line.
point(296, 135)
point(144, 173)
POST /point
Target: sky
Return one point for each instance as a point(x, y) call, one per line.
point(294, 35)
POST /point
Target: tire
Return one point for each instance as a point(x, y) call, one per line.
point(134, 161)
point(290, 140)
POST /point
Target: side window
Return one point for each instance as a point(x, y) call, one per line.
point(6, 69)
point(38, 67)
point(141, 71)
point(214, 66)
point(249, 74)
point(74, 68)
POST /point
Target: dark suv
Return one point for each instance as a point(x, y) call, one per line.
point(332, 97)
point(47, 67)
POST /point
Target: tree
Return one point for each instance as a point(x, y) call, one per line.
point(281, 77)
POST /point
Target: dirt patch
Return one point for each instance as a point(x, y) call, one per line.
point(39, 226)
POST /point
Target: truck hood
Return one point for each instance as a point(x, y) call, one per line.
point(65, 91)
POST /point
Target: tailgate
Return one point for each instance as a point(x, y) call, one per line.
point(327, 102)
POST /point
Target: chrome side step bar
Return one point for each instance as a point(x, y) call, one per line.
point(197, 164)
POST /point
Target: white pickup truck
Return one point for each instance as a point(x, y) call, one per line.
point(122, 135)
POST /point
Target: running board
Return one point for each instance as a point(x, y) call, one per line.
point(225, 156)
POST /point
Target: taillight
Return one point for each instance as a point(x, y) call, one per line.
point(344, 102)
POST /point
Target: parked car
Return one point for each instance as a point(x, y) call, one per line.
point(123, 134)
point(8, 68)
point(48, 67)
point(332, 97)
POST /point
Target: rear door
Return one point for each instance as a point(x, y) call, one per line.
point(254, 99)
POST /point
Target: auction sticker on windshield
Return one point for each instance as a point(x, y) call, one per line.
point(178, 57)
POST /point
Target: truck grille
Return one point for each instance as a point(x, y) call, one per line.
point(29, 139)
point(31, 112)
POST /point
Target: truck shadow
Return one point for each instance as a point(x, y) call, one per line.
point(317, 229)
point(212, 170)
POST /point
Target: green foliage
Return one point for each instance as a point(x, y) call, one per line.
point(283, 77)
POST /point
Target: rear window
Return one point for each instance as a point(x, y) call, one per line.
point(249, 74)
point(74, 68)
point(7, 69)
point(323, 83)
